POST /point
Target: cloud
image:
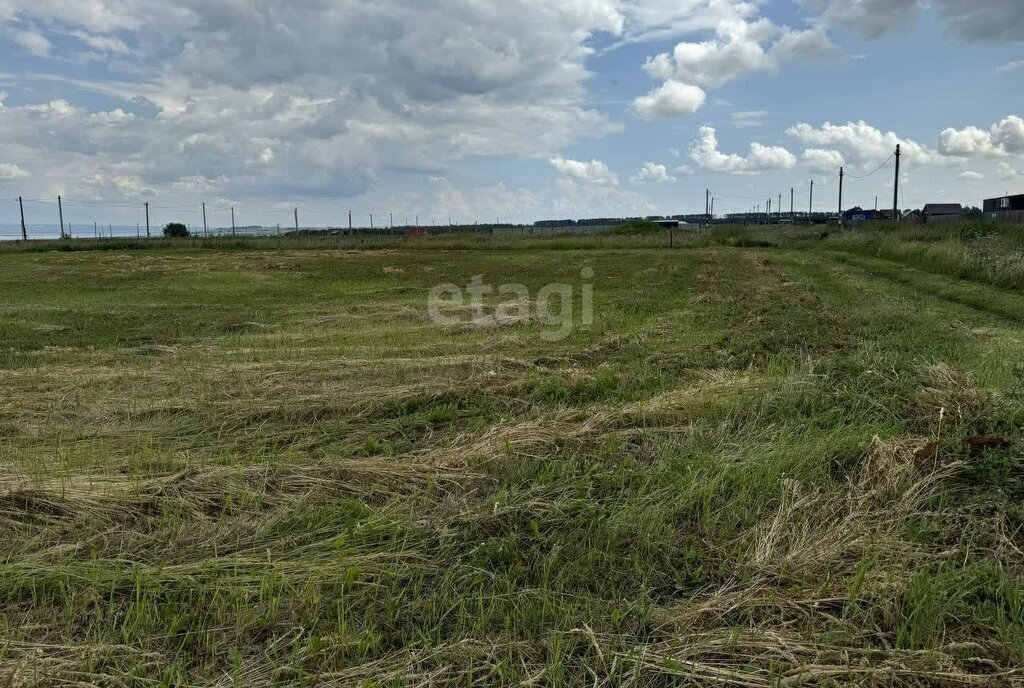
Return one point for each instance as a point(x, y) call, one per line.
point(811, 45)
point(992, 20)
point(339, 92)
point(653, 173)
point(823, 160)
point(33, 42)
point(1004, 137)
point(576, 199)
point(671, 99)
point(1012, 66)
point(970, 176)
point(862, 144)
point(1008, 171)
point(704, 151)
point(466, 205)
point(753, 118)
point(595, 171)
point(870, 18)
point(10, 172)
point(741, 45)
point(737, 49)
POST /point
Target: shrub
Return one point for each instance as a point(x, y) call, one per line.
point(176, 230)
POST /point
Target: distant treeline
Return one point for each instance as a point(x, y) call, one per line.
point(618, 221)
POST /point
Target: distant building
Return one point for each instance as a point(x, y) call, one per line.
point(913, 217)
point(666, 224)
point(1006, 208)
point(856, 216)
point(943, 212)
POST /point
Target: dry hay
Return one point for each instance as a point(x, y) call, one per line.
point(949, 395)
point(814, 530)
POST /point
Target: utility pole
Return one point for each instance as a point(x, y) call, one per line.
point(350, 221)
point(24, 232)
point(95, 231)
point(792, 200)
point(768, 212)
point(392, 216)
point(60, 209)
point(371, 221)
point(148, 235)
point(206, 227)
point(778, 208)
point(810, 206)
point(712, 211)
point(138, 232)
point(232, 220)
point(842, 173)
point(896, 188)
point(296, 220)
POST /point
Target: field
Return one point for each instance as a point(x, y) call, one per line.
point(770, 461)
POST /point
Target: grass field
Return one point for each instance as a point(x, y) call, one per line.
point(769, 462)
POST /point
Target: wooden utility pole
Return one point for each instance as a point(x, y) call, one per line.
point(842, 173)
point(371, 221)
point(350, 221)
point(810, 206)
point(138, 232)
point(792, 208)
point(206, 227)
point(778, 208)
point(768, 212)
point(296, 220)
point(232, 220)
point(95, 231)
point(712, 211)
point(148, 235)
point(896, 188)
point(60, 209)
point(24, 232)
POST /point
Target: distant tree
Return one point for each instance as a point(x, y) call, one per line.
point(176, 230)
point(973, 213)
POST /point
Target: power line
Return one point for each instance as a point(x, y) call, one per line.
point(876, 170)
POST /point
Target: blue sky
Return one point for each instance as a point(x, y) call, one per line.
point(511, 110)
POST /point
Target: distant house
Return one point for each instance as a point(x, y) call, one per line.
point(856, 216)
point(943, 212)
point(913, 217)
point(1006, 208)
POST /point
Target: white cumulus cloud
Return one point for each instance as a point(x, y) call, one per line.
point(595, 171)
point(704, 151)
point(823, 160)
point(862, 144)
point(1006, 136)
point(654, 173)
point(671, 99)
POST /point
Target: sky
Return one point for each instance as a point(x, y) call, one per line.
point(500, 110)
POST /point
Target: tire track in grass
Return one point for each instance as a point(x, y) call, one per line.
point(1005, 304)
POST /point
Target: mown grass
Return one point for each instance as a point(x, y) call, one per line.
point(792, 464)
